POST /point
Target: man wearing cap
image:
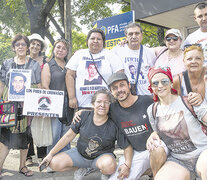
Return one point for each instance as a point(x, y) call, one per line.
point(130, 114)
point(200, 35)
point(172, 54)
point(140, 56)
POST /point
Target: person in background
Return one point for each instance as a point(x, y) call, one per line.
point(200, 35)
point(142, 57)
point(180, 130)
point(95, 144)
point(53, 78)
point(172, 54)
point(193, 60)
point(105, 62)
point(37, 47)
point(17, 137)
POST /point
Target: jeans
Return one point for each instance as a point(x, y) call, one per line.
point(58, 131)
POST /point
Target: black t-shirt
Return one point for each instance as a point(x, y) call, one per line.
point(133, 121)
point(96, 140)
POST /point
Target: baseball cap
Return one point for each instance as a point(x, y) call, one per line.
point(117, 77)
point(176, 32)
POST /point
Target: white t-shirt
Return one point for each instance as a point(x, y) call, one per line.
point(130, 58)
point(179, 129)
point(106, 62)
point(198, 37)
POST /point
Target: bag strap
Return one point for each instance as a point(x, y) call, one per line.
point(154, 109)
point(188, 106)
point(161, 52)
point(97, 69)
point(139, 66)
point(187, 81)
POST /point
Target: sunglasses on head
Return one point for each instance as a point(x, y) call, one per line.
point(189, 45)
point(174, 38)
point(164, 82)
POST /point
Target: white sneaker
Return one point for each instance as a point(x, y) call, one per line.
point(80, 173)
point(104, 177)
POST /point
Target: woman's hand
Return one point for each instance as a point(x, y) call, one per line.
point(46, 160)
point(153, 141)
point(73, 103)
point(77, 115)
point(195, 99)
point(124, 171)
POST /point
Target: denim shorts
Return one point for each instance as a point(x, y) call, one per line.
point(190, 164)
point(80, 161)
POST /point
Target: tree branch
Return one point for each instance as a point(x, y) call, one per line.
point(48, 6)
point(49, 36)
point(29, 5)
point(56, 26)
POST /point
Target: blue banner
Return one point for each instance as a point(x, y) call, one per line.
point(114, 26)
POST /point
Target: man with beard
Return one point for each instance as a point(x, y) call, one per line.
point(130, 114)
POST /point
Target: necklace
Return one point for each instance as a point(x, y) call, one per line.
point(21, 66)
point(195, 87)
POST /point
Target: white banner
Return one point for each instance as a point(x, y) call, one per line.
point(42, 102)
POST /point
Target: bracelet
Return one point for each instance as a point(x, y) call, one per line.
point(126, 165)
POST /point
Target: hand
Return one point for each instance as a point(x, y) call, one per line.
point(123, 172)
point(76, 117)
point(195, 99)
point(153, 141)
point(73, 103)
point(46, 160)
point(123, 42)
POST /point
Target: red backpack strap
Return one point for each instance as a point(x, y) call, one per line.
point(188, 106)
point(154, 109)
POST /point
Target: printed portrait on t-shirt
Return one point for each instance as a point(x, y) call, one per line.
point(173, 130)
point(92, 76)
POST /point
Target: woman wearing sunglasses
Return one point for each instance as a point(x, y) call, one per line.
point(172, 54)
point(182, 133)
point(192, 80)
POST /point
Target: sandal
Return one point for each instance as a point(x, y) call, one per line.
point(27, 173)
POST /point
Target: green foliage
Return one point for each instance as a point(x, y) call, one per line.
point(79, 41)
point(13, 17)
point(5, 48)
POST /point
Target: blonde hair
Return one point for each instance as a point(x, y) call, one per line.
point(191, 48)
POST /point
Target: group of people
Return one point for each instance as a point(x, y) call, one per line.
point(114, 92)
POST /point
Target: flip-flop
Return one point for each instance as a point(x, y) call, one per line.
point(27, 172)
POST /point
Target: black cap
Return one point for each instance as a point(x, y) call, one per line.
point(117, 77)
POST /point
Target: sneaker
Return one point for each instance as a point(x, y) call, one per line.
point(89, 171)
point(80, 173)
point(104, 177)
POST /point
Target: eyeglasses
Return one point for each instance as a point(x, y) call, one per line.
point(20, 44)
point(164, 82)
point(189, 45)
point(103, 102)
point(174, 38)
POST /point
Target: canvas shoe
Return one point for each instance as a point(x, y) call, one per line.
point(104, 177)
point(80, 173)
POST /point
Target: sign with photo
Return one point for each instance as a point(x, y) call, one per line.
point(20, 79)
point(42, 102)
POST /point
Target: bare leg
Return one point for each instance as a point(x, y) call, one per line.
point(4, 152)
point(65, 165)
point(23, 157)
point(171, 171)
point(157, 159)
point(106, 164)
point(201, 165)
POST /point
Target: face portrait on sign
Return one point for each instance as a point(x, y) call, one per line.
point(17, 84)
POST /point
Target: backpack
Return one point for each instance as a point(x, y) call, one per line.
point(188, 106)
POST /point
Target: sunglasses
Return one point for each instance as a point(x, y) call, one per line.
point(189, 45)
point(174, 38)
point(164, 82)
point(20, 44)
